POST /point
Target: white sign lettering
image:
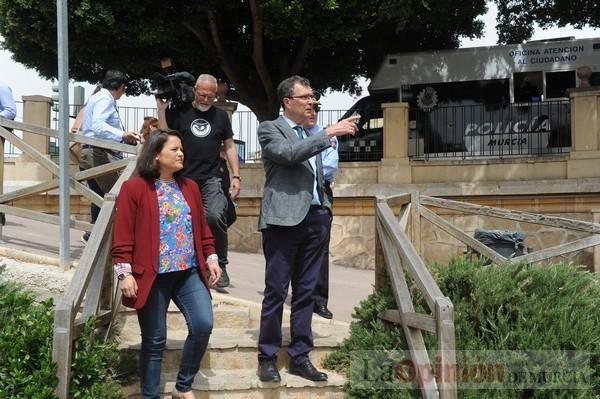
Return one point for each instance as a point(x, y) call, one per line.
point(507, 137)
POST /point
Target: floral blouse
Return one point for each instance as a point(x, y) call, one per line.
point(176, 249)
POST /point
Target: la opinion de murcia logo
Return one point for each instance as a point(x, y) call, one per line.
point(200, 128)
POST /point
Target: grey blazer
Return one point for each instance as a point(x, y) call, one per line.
point(289, 177)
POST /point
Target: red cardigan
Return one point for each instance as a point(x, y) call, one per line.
point(137, 232)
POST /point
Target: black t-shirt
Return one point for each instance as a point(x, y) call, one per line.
point(202, 133)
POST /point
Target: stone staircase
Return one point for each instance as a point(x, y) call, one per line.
point(228, 369)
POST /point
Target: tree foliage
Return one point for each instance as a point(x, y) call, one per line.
point(253, 44)
point(516, 19)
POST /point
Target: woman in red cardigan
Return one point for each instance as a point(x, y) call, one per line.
point(163, 250)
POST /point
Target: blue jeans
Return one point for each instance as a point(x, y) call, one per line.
point(190, 295)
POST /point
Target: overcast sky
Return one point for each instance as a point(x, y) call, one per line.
point(25, 81)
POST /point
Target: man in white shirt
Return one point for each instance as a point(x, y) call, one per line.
point(102, 121)
point(8, 109)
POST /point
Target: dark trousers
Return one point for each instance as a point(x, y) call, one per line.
point(321, 295)
point(94, 156)
point(293, 254)
point(95, 209)
point(215, 207)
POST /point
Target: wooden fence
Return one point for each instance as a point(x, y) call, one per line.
point(92, 291)
point(400, 258)
point(398, 244)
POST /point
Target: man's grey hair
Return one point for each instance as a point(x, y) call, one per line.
point(286, 87)
point(205, 77)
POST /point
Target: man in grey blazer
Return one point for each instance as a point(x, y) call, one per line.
point(293, 220)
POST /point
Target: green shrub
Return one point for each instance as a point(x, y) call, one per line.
point(26, 368)
point(514, 315)
point(93, 368)
point(370, 352)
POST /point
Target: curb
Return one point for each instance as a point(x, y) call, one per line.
point(23, 256)
point(255, 308)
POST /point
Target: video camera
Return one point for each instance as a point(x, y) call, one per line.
point(177, 87)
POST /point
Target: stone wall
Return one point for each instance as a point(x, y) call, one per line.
point(353, 235)
point(49, 203)
point(438, 246)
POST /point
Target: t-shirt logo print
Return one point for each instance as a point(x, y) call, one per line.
point(200, 127)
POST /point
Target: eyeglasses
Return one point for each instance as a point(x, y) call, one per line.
point(207, 96)
point(304, 97)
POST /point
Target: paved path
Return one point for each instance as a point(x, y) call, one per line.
point(348, 286)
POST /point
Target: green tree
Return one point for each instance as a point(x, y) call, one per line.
point(252, 44)
point(515, 21)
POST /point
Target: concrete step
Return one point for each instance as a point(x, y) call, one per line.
point(225, 315)
point(244, 384)
point(231, 348)
point(230, 363)
point(228, 312)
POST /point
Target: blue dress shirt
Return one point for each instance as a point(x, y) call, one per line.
point(329, 156)
point(101, 119)
point(8, 108)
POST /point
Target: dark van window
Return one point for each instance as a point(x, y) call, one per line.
point(367, 145)
point(528, 86)
point(557, 83)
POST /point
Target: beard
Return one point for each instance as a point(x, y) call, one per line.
point(202, 107)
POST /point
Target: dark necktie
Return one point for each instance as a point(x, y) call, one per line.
point(299, 131)
point(313, 163)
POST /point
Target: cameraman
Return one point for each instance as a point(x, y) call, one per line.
point(204, 128)
point(101, 120)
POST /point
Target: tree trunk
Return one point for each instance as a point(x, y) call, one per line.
point(262, 110)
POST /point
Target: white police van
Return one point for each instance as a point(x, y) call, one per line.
point(483, 101)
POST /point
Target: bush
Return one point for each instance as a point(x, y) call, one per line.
point(513, 315)
point(370, 352)
point(93, 368)
point(26, 368)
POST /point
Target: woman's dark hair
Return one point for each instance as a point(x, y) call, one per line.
point(147, 166)
point(149, 122)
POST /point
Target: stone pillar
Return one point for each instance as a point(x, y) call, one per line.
point(584, 73)
point(395, 165)
point(585, 134)
point(228, 106)
point(596, 219)
point(36, 111)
